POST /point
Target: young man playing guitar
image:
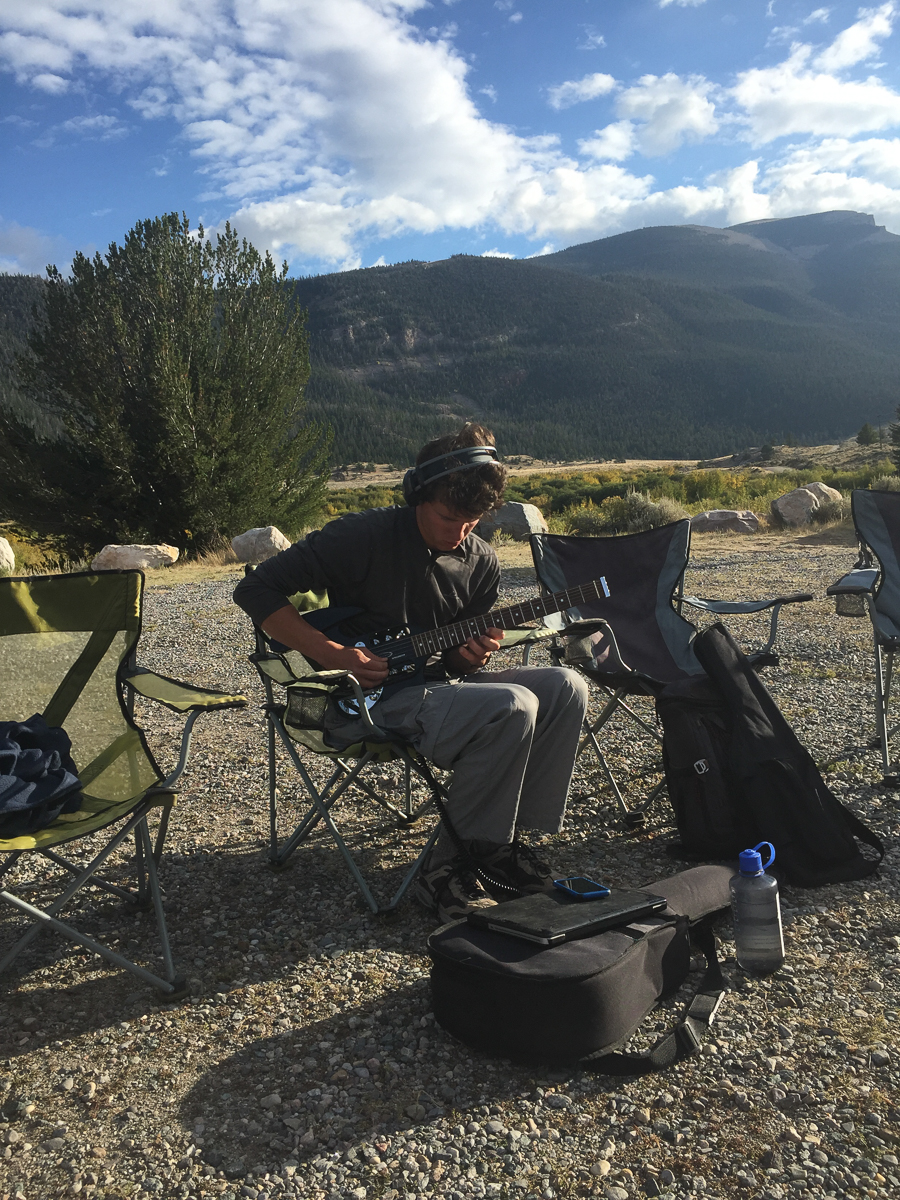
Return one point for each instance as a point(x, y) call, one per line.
point(511, 740)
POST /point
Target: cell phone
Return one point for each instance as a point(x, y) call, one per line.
point(581, 887)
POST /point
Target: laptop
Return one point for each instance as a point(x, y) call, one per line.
point(551, 918)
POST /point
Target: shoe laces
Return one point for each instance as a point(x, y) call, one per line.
point(525, 853)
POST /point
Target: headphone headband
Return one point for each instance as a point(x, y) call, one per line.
point(463, 459)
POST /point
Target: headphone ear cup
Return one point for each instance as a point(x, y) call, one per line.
point(409, 488)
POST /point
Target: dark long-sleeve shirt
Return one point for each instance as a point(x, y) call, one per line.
point(378, 561)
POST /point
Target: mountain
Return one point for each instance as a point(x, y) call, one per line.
point(807, 267)
point(669, 341)
point(675, 341)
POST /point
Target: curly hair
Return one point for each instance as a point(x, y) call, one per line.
point(471, 491)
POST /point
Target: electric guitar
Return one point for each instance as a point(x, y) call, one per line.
point(407, 651)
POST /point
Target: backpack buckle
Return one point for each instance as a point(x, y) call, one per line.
point(701, 766)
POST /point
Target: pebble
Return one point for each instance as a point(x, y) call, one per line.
point(306, 1063)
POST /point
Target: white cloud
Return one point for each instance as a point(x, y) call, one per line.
point(616, 142)
point(27, 251)
point(681, 3)
point(515, 17)
point(575, 91)
point(592, 40)
point(45, 81)
point(793, 98)
point(496, 254)
point(818, 14)
point(859, 41)
point(674, 110)
point(322, 126)
point(490, 91)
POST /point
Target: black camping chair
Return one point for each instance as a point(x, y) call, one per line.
point(640, 641)
point(872, 588)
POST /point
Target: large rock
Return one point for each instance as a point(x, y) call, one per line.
point(518, 521)
point(725, 520)
point(823, 493)
point(134, 558)
point(256, 545)
point(7, 558)
point(796, 507)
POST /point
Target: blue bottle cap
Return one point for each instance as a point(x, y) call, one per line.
point(751, 862)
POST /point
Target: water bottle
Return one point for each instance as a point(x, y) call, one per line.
point(757, 914)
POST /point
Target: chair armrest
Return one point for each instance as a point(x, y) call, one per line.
point(854, 583)
point(181, 697)
point(732, 607)
point(525, 637)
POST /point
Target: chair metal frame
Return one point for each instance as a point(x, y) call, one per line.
point(297, 678)
point(131, 680)
point(872, 588)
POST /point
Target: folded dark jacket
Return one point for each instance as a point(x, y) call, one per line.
point(38, 779)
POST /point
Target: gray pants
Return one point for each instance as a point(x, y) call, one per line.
point(510, 738)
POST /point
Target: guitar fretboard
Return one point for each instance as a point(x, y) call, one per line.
point(433, 641)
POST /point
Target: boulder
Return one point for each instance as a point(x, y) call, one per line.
point(796, 507)
point(7, 558)
point(519, 521)
point(134, 558)
point(256, 545)
point(725, 520)
point(823, 493)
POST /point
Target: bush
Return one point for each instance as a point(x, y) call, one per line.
point(829, 512)
point(632, 513)
point(885, 483)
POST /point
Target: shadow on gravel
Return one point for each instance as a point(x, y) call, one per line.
point(279, 1099)
point(266, 922)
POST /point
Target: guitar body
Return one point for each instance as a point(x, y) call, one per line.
point(395, 645)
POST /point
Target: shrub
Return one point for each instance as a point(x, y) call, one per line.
point(885, 483)
point(704, 485)
point(829, 512)
point(632, 513)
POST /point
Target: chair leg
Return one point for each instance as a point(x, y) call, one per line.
point(633, 816)
point(884, 670)
point(413, 871)
point(172, 986)
point(324, 799)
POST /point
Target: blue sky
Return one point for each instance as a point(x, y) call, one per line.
point(343, 133)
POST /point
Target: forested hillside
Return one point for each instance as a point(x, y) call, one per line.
point(674, 341)
point(667, 342)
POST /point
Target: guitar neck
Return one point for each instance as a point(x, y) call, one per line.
point(433, 641)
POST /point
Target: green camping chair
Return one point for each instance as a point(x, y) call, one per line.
point(297, 697)
point(67, 651)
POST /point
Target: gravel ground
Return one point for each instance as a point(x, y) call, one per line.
point(307, 1063)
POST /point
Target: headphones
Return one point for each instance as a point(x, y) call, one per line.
point(417, 479)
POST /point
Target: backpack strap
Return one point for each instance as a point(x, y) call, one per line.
point(687, 1035)
point(864, 833)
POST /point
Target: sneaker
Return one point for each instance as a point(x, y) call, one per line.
point(518, 866)
point(453, 889)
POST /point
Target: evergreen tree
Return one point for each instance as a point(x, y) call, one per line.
point(177, 371)
point(867, 436)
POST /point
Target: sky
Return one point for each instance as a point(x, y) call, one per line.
point(347, 133)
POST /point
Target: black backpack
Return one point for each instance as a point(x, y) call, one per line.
point(737, 775)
